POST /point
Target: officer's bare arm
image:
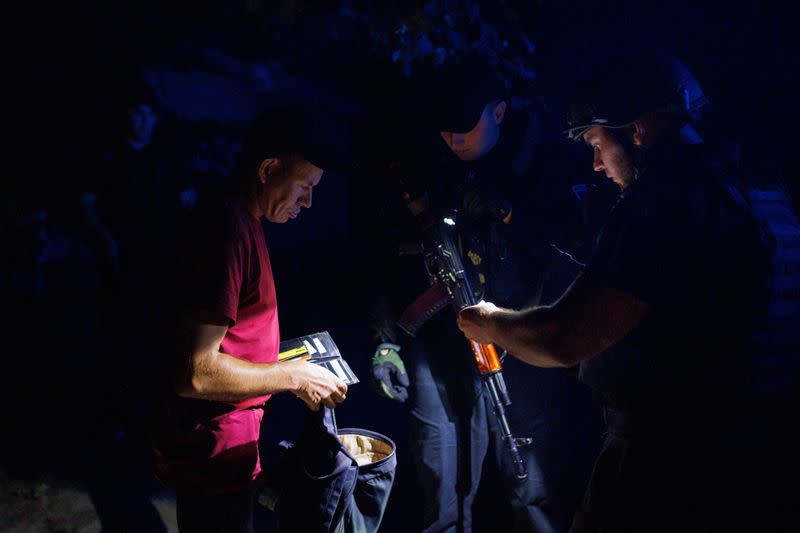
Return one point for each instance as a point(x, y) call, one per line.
point(585, 321)
point(203, 371)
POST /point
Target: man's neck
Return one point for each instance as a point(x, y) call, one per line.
point(248, 200)
point(690, 135)
point(137, 145)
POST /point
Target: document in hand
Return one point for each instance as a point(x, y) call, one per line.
point(320, 349)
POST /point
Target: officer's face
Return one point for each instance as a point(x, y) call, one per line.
point(610, 156)
point(142, 122)
point(287, 188)
point(478, 141)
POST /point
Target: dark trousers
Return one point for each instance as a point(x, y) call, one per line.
point(221, 513)
point(452, 425)
point(679, 476)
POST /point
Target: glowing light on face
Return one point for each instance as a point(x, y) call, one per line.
point(609, 156)
point(289, 190)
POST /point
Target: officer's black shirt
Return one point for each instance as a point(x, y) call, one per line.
point(677, 241)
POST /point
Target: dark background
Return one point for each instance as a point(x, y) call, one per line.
point(70, 68)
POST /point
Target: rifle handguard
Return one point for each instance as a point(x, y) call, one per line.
point(486, 357)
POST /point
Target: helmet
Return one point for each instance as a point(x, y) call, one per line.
point(628, 87)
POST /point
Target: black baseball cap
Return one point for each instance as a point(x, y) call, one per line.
point(461, 93)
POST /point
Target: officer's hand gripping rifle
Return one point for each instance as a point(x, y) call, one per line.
point(445, 267)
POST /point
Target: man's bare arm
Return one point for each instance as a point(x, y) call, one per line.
point(588, 319)
point(204, 372)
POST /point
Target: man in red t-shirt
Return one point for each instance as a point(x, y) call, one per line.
point(226, 366)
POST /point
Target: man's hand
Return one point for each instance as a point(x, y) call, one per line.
point(389, 373)
point(476, 321)
point(315, 385)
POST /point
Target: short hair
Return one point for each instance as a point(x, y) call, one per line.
point(263, 140)
point(294, 133)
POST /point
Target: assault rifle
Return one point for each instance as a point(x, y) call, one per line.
point(449, 282)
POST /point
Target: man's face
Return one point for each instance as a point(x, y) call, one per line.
point(478, 141)
point(142, 123)
point(610, 156)
point(288, 188)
